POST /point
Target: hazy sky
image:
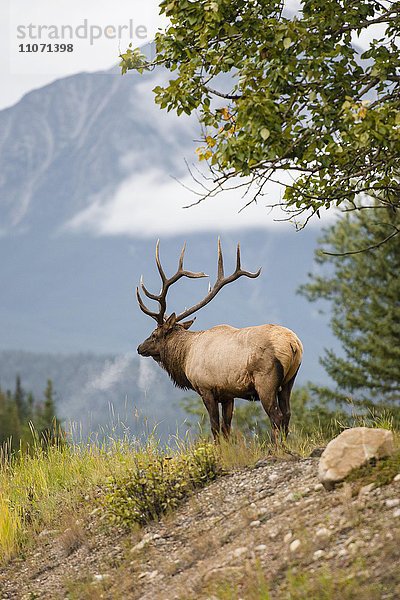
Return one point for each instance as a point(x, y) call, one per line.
point(21, 72)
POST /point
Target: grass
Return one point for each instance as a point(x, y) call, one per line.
point(132, 483)
point(37, 487)
point(294, 585)
point(379, 472)
point(138, 482)
point(135, 483)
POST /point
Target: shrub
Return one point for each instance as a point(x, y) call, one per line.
point(157, 483)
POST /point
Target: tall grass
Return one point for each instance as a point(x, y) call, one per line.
point(40, 486)
point(36, 486)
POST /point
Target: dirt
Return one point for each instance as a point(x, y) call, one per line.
point(250, 524)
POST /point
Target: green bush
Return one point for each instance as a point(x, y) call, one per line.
point(157, 483)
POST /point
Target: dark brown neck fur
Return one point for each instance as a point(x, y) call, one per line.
point(173, 356)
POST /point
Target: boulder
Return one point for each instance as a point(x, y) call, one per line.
point(350, 450)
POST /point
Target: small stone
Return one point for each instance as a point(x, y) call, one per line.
point(262, 511)
point(260, 548)
point(153, 574)
point(288, 537)
point(366, 489)
point(342, 552)
point(255, 523)
point(349, 540)
point(99, 577)
point(322, 532)
point(392, 502)
point(290, 497)
point(273, 476)
point(397, 477)
point(318, 487)
point(294, 546)
point(252, 505)
point(396, 513)
point(318, 554)
point(239, 552)
point(146, 539)
point(47, 532)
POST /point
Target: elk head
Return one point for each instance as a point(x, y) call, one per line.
point(154, 344)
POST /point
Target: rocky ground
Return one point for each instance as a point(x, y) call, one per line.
point(270, 527)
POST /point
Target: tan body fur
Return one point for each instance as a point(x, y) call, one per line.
point(224, 363)
point(228, 360)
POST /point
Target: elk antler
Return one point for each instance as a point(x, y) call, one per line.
point(221, 281)
point(161, 298)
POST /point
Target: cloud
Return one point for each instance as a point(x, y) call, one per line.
point(111, 374)
point(151, 204)
point(147, 375)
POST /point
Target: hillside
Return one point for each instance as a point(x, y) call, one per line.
point(270, 526)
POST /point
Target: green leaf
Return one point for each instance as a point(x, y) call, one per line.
point(265, 133)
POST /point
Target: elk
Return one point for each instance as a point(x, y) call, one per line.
point(223, 363)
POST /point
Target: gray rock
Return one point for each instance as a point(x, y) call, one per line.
point(392, 502)
point(255, 524)
point(295, 546)
point(350, 450)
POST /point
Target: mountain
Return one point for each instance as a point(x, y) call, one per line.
point(65, 150)
point(74, 140)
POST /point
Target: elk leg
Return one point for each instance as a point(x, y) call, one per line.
point(266, 390)
point(284, 402)
point(227, 413)
point(213, 412)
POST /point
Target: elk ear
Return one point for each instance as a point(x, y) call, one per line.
point(170, 322)
point(188, 324)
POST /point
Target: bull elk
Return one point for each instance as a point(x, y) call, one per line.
point(223, 363)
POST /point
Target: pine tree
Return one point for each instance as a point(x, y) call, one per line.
point(50, 428)
point(364, 291)
point(10, 425)
point(18, 411)
point(19, 396)
point(48, 407)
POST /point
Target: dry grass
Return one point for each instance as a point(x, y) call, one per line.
point(74, 534)
point(41, 488)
